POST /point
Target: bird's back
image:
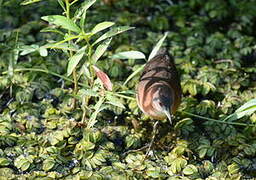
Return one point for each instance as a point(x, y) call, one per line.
point(159, 72)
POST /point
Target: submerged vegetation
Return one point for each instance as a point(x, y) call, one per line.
point(68, 74)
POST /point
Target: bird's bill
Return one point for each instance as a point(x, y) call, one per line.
point(167, 112)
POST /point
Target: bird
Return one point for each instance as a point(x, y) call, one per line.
point(159, 91)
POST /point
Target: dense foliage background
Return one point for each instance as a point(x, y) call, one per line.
point(41, 135)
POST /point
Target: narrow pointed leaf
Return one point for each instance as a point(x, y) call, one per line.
point(25, 49)
point(157, 46)
point(62, 21)
point(248, 105)
point(61, 3)
point(26, 2)
point(49, 29)
point(129, 55)
point(84, 6)
point(100, 50)
point(98, 108)
point(63, 46)
point(113, 32)
point(247, 109)
point(133, 74)
point(75, 59)
point(82, 20)
point(101, 26)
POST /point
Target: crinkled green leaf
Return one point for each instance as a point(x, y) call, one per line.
point(190, 169)
point(23, 162)
point(48, 164)
point(202, 152)
point(87, 145)
point(4, 162)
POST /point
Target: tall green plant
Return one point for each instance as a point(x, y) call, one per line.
point(83, 48)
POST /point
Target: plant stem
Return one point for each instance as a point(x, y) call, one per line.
point(70, 55)
point(219, 121)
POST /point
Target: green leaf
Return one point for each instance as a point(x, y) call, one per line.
point(247, 106)
point(157, 46)
point(192, 89)
point(208, 166)
point(88, 92)
point(23, 162)
point(202, 152)
point(85, 70)
point(96, 137)
point(100, 50)
point(28, 49)
point(114, 101)
point(43, 51)
point(119, 165)
point(62, 21)
point(62, 46)
point(113, 32)
point(75, 59)
point(133, 74)
point(61, 3)
point(87, 145)
point(101, 26)
point(183, 122)
point(26, 2)
point(129, 55)
point(48, 164)
point(84, 6)
point(153, 172)
point(97, 108)
point(50, 29)
point(178, 164)
point(190, 169)
point(4, 162)
point(233, 168)
point(247, 109)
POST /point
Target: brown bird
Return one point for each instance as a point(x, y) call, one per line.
point(159, 90)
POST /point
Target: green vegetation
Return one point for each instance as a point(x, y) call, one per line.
point(61, 117)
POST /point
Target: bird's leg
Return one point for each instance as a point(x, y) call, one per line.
point(152, 139)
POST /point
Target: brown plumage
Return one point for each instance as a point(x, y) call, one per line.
point(159, 91)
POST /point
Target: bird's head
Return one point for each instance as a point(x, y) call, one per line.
point(162, 103)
